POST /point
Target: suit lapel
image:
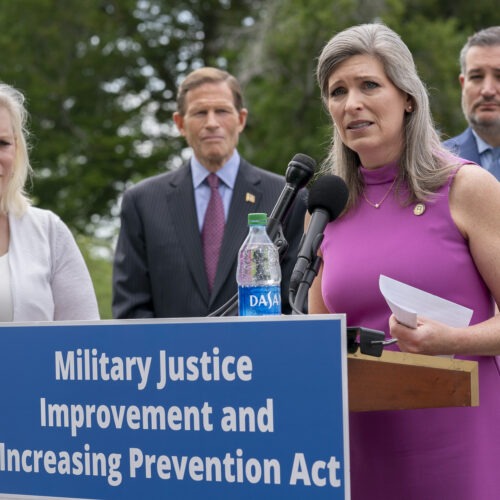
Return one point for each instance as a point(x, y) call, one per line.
point(180, 199)
point(247, 197)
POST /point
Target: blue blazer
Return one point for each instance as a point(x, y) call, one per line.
point(464, 146)
point(159, 268)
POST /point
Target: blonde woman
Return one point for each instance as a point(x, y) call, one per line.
point(43, 276)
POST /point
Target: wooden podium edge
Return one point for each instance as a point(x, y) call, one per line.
point(398, 381)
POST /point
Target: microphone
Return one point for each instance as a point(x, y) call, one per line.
point(327, 199)
point(298, 173)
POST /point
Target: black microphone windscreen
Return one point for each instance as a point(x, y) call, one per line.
point(329, 193)
point(300, 170)
point(305, 160)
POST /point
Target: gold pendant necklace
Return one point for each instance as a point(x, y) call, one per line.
point(377, 205)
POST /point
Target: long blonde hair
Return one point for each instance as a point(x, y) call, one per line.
point(14, 198)
point(424, 165)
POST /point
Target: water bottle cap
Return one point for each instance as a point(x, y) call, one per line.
point(257, 219)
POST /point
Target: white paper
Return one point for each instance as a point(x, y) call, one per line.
point(406, 302)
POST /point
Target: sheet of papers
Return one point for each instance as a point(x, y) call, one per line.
point(406, 302)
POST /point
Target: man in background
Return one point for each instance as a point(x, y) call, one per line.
point(480, 82)
point(180, 233)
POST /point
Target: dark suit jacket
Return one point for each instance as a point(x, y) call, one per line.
point(464, 146)
point(158, 267)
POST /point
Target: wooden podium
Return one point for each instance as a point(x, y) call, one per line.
point(399, 381)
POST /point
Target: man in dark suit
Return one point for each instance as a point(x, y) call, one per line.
point(480, 82)
point(159, 267)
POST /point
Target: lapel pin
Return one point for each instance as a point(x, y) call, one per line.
point(250, 198)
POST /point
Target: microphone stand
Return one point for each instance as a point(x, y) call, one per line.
point(298, 300)
point(275, 231)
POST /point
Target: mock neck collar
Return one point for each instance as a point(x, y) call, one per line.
point(381, 175)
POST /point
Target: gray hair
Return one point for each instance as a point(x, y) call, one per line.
point(204, 75)
point(14, 198)
point(489, 37)
point(424, 162)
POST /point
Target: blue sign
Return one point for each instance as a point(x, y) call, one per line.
point(212, 408)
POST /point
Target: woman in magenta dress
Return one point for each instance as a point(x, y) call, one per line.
point(419, 215)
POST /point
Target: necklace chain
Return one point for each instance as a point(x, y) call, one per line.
point(377, 205)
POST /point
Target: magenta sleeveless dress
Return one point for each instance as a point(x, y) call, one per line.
point(445, 453)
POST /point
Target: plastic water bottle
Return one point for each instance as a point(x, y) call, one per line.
point(259, 272)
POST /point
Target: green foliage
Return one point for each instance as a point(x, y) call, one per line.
point(469, 16)
point(98, 258)
point(428, 41)
point(278, 68)
point(100, 77)
point(63, 58)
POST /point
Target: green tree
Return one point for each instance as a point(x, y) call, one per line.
point(278, 66)
point(100, 77)
point(97, 255)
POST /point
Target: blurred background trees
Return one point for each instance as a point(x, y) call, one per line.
point(100, 78)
